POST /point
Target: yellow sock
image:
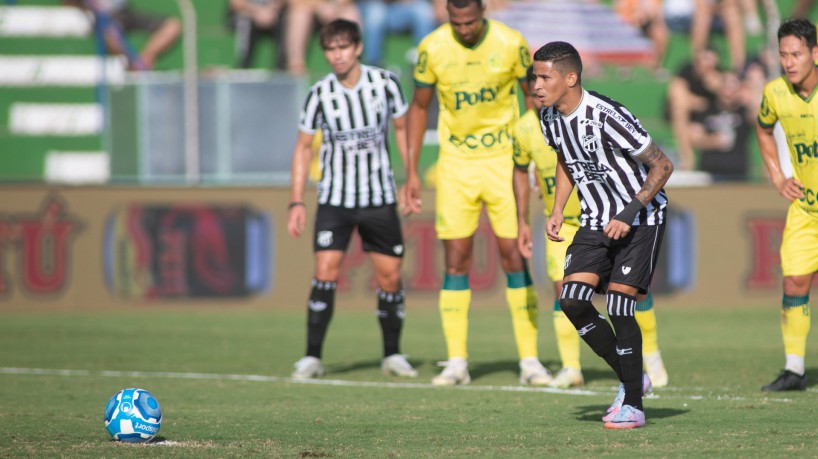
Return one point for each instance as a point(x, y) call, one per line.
point(522, 301)
point(795, 324)
point(646, 317)
point(455, 298)
point(567, 339)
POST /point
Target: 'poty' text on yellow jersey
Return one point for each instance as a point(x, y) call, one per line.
point(799, 118)
point(476, 87)
point(529, 145)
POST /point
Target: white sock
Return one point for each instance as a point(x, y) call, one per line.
point(795, 363)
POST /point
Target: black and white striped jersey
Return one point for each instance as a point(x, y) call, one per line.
point(354, 155)
point(598, 141)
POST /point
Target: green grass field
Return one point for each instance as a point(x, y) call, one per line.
point(221, 377)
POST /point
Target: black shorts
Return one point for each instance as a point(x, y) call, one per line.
point(379, 228)
point(630, 260)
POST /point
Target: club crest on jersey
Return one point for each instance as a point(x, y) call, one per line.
point(590, 143)
point(324, 238)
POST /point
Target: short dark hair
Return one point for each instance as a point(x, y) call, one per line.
point(803, 29)
point(464, 3)
point(340, 29)
point(529, 74)
point(562, 54)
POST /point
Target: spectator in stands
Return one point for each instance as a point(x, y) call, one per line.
point(381, 17)
point(729, 13)
point(690, 92)
point(301, 16)
point(164, 31)
point(722, 131)
point(254, 19)
point(647, 16)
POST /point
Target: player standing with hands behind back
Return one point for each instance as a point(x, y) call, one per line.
point(352, 107)
point(476, 65)
point(791, 100)
point(619, 172)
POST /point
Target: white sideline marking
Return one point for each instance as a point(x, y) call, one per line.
point(340, 382)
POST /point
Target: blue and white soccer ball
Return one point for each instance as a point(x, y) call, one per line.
point(133, 415)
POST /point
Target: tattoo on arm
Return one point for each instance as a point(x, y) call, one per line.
point(659, 169)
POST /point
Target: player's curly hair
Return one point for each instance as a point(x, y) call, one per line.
point(562, 55)
point(340, 29)
point(803, 29)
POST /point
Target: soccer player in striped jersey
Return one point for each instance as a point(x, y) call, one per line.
point(475, 64)
point(791, 100)
point(529, 146)
point(352, 106)
point(619, 173)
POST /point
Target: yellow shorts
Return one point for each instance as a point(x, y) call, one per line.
point(463, 185)
point(799, 246)
point(555, 252)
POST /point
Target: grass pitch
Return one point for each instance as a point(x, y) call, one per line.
point(221, 377)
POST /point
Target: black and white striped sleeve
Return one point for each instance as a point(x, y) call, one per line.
point(622, 130)
point(397, 99)
point(310, 113)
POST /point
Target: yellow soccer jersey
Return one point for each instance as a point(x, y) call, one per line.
point(529, 145)
point(476, 87)
point(799, 118)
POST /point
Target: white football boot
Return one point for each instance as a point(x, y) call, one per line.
point(455, 372)
point(533, 373)
point(308, 368)
point(397, 365)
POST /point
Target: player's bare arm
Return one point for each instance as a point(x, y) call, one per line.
point(302, 156)
point(416, 128)
point(564, 184)
point(789, 188)
point(401, 139)
point(659, 169)
point(521, 196)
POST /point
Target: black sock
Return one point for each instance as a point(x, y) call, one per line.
point(575, 302)
point(628, 344)
point(390, 315)
point(319, 313)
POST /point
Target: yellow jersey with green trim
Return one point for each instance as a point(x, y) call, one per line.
point(529, 145)
point(476, 87)
point(799, 118)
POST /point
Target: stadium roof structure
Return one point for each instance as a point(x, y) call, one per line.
point(597, 32)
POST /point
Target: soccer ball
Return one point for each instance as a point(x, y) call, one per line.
point(133, 415)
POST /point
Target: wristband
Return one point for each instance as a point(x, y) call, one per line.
point(295, 204)
point(629, 213)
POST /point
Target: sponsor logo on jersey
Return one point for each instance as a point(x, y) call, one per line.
point(615, 115)
point(594, 123)
point(487, 140)
point(470, 98)
point(324, 238)
point(805, 151)
point(588, 171)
